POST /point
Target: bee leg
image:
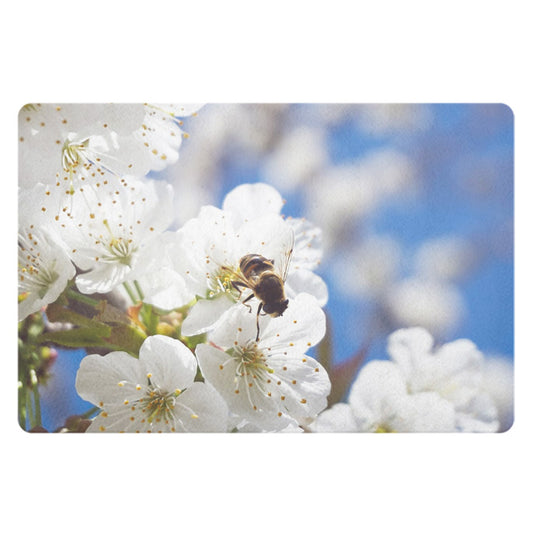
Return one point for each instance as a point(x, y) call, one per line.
point(237, 285)
point(248, 305)
point(257, 320)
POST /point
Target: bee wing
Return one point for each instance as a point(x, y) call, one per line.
point(283, 259)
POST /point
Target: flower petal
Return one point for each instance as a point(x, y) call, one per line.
point(250, 201)
point(205, 315)
point(338, 418)
point(300, 281)
point(409, 347)
point(111, 378)
point(302, 325)
point(202, 409)
point(168, 362)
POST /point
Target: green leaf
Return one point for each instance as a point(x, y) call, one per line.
point(84, 337)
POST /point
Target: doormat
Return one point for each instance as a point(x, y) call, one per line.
point(265, 268)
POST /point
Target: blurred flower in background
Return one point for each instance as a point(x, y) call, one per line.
point(415, 204)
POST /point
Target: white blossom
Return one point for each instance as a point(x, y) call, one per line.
point(270, 383)
point(421, 389)
point(44, 267)
point(111, 234)
point(379, 401)
point(453, 370)
point(75, 144)
point(498, 383)
point(155, 393)
point(211, 245)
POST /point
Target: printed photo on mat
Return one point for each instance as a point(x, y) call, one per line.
point(265, 268)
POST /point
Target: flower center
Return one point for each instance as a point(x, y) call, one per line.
point(118, 249)
point(251, 362)
point(159, 405)
point(74, 154)
point(222, 282)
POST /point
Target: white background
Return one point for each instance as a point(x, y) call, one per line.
point(409, 51)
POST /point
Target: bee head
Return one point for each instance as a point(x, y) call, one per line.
point(275, 309)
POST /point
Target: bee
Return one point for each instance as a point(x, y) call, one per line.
point(266, 280)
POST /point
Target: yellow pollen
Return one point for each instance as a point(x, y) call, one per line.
point(194, 416)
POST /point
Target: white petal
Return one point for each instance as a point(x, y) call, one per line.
point(169, 362)
point(202, 409)
point(300, 281)
point(220, 370)
point(249, 201)
point(238, 325)
point(461, 362)
point(103, 278)
point(117, 419)
point(179, 110)
point(269, 236)
point(303, 386)
point(338, 418)
point(165, 289)
point(375, 395)
point(308, 245)
point(302, 325)
point(110, 379)
point(408, 347)
point(425, 412)
point(480, 415)
point(205, 315)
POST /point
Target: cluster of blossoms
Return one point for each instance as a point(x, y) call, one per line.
point(200, 347)
point(92, 225)
point(420, 390)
